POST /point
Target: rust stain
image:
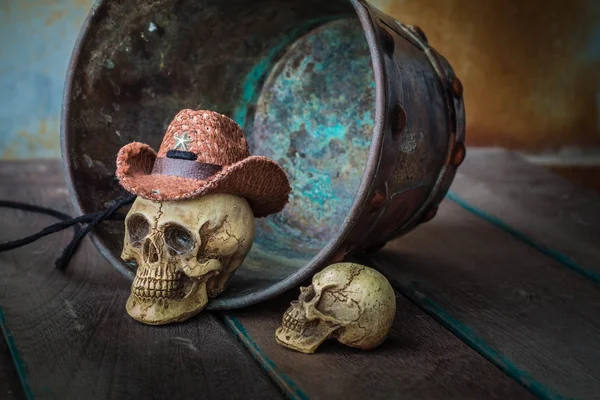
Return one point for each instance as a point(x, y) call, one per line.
point(55, 16)
point(83, 3)
point(25, 9)
point(79, 3)
point(378, 200)
point(527, 81)
point(10, 153)
point(29, 144)
point(429, 215)
point(458, 154)
point(457, 87)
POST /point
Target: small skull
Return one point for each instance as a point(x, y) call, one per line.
point(186, 252)
point(349, 302)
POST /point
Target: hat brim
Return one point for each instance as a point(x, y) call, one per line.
point(258, 179)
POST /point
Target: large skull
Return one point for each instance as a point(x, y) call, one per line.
point(349, 302)
point(186, 252)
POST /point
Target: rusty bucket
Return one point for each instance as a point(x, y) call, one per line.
point(364, 116)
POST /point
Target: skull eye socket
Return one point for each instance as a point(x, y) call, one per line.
point(138, 228)
point(308, 293)
point(179, 239)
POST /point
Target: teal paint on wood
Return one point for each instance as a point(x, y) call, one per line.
point(498, 223)
point(14, 352)
point(467, 335)
point(285, 382)
point(36, 39)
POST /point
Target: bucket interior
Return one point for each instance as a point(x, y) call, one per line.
point(297, 78)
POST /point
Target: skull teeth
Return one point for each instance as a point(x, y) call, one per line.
point(167, 272)
point(155, 288)
point(294, 324)
point(155, 294)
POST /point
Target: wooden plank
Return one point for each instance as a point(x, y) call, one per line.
point(536, 206)
point(72, 334)
point(581, 175)
point(420, 360)
point(10, 385)
point(535, 319)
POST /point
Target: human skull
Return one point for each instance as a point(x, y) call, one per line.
point(349, 302)
point(186, 252)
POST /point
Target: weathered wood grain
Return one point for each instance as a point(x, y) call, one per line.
point(10, 385)
point(534, 318)
point(72, 334)
point(420, 360)
point(539, 207)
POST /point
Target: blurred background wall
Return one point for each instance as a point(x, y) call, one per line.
point(531, 73)
point(36, 38)
point(530, 70)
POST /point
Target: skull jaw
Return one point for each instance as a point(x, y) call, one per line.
point(306, 341)
point(165, 311)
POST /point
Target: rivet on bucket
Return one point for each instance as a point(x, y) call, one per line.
point(398, 121)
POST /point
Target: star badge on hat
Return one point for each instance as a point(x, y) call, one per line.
point(182, 141)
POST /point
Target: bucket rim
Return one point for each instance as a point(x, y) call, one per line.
point(333, 246)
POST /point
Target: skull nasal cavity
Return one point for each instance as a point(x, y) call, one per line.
point(150, 252)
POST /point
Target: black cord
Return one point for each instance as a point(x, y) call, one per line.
point(30, 207)
point(68, 252)
point(59, 226)
point(92, 219)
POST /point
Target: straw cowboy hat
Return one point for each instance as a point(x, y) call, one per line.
point(203, 152)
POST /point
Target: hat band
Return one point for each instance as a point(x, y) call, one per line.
point(185, 168)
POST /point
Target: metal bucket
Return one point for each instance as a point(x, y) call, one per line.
point(366, 119)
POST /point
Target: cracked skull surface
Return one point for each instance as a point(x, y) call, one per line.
point(348, 302)
point(186, 252)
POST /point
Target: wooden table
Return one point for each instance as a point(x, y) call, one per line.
point(498, 297)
